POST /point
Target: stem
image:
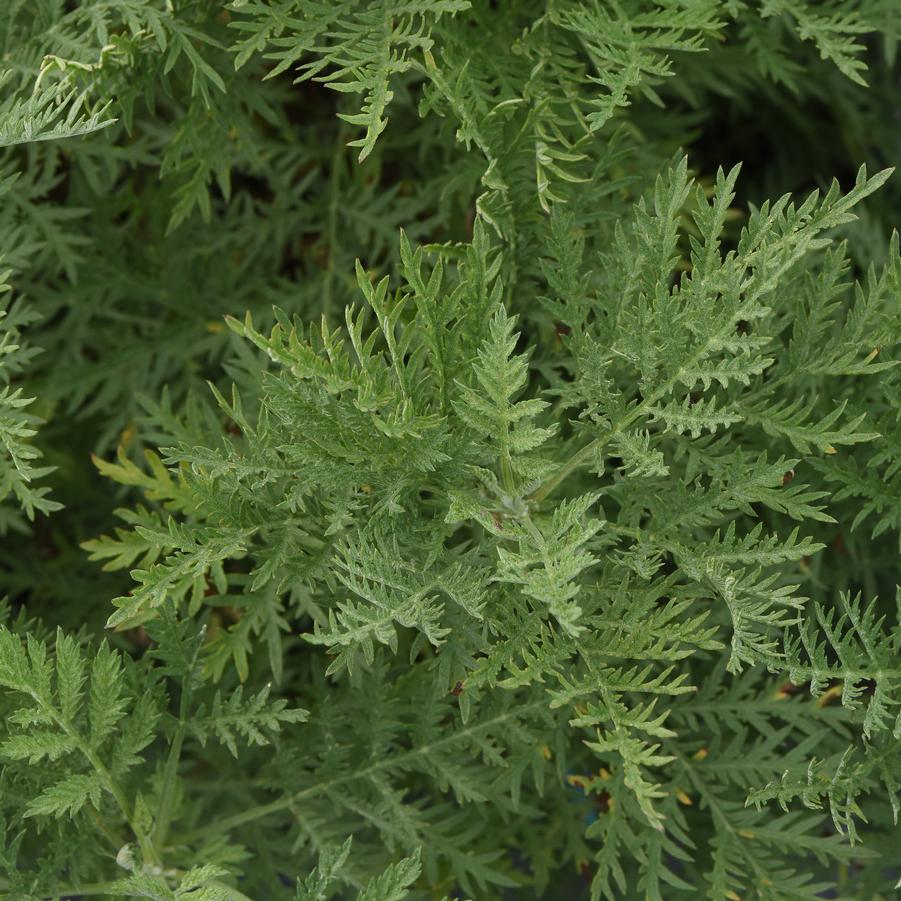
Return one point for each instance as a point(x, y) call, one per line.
point(507, 478)
point(167, 795)
point(100, 768)
point(108, 888)
point(116, 841)
point(574, 462)
point(170, 774)
point(92, 888)
point(598, 444)
point(147, 849)
point(263, 810)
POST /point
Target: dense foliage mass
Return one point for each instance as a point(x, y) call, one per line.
point(450, 449)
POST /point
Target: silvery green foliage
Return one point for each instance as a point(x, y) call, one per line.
point(491, 501)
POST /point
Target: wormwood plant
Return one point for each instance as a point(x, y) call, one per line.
point(429, 465)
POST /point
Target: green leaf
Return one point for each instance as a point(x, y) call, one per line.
point(67, 796)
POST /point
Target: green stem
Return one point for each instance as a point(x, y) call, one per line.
point(573, 463)
point(226, 824)
point(109, 888)
point(170, 774)
point(598, 444)
point(146, 846)
point(111, 785)
point(167, 795)
point(92, 888)
point(507, 479)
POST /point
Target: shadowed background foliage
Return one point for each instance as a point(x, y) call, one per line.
point(170, 166)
